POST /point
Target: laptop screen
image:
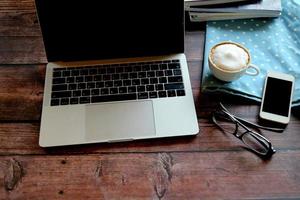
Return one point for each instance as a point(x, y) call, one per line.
point(97, 29)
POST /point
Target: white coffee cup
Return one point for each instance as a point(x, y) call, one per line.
point(228, 61)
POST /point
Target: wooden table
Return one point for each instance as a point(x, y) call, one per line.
point(211, 165)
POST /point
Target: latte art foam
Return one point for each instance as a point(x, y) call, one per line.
point(230, 57)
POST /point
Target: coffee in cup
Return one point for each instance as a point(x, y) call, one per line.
point(228, 61)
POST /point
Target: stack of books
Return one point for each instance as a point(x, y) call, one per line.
point(207, 10)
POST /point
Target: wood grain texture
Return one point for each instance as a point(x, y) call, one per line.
point(207, 175)
point(22, 139)
point(16, 5)
point(21, 91)
point(211, 165)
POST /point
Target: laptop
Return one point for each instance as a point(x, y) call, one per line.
point(116, 71)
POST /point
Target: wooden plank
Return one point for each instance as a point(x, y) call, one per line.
point(22, 50)
point(13, 6)
point(22, 138)
point(19, 24)
point(194, 44)
point(208, 175)
point(21, 92)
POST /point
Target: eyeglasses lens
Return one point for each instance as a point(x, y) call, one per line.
point(225, 122)
point(253, 143)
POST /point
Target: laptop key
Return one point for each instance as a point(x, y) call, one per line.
point(123, 90)
point(81, 86)
point(95, 92)
point(133, 75)
point(84, 100)
point(54, 102)
point(137, 68)
point(162, 94)
point(144, 81)
point(154, 67)
point(104, 91)
point(108, 83)
point(86, 92)
point(141, 88)
point(115, 76)
point(159, 87)
point(66, 73)
point(93, 71)
point(153, 80)
point(90, 85)
point(61, 94)
point(160, 73)
point(131, 89)
point(106, 77)
point(174, 66)
point(118, 83)
point(180, 93)
point(79, 79)
point(84, 72)
point(174, 79)
point(162, 80)
point(77, 93)
point(142, 74)
point(150, 87)
point(124, 76)
point(74, 100)
point(163, 66)
point(136, 82)
point(72, 86)
point(59, 87)
point(177, 72)
point(171, 93)
point(174, 86)
point(99, 84)
point(169, 72)
point(59, 80)
point(143, 95)
point(150, 74)
point(56, 74)
point(64, 101)
point(108, 98)
point(70, 80)
point(126, 82)
point(153, 95)
point(119, 69)
point(146, 68)
point(75, 72)
point(98, 78)
point(113, 91)
point(88, 79)
point(128, 69)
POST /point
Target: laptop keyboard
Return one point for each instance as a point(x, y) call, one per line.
point(116, 82)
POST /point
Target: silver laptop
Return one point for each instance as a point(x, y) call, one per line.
point(116, 72)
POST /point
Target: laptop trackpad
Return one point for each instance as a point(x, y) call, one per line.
point(118, 121)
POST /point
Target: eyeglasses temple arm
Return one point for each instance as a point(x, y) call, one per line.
point(258, 126)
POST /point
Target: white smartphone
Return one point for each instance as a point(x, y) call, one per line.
point(277, 97)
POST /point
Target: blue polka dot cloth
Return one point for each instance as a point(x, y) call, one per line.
point(274, 45)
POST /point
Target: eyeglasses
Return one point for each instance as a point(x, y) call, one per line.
point(232, 124)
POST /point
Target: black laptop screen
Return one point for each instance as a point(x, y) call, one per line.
point(97, 29)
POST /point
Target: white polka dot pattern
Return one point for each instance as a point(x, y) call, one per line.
point(273, 44)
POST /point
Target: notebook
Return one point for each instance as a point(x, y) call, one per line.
point(116, 72)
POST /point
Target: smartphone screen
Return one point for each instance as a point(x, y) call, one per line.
point(277, 96)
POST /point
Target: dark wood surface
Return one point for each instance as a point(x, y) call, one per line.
point(211, 165)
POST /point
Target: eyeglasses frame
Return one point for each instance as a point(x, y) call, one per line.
point(239, 122)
